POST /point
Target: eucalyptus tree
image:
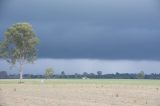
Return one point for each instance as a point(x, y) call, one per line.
point(19, 46)
point(49, 73)
point(141, 75)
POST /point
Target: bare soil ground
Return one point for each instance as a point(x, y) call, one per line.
point(69, 94)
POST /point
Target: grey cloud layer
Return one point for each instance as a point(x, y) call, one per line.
point(96, 29)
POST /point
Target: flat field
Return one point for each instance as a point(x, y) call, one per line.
point(88, 92)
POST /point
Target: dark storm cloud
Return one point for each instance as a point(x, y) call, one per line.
point(2, 4)
point(98, 29)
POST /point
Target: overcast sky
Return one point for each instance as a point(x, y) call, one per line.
point(89, 35)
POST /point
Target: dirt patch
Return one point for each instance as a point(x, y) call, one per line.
point(78, 95)
point(2, 101)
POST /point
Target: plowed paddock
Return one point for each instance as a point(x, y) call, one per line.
point(80, 93)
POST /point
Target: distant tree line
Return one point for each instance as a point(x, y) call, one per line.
point(85, 75)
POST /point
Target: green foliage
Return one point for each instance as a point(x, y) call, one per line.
point(49, 73)
point(141, 75)
point(2, 53)
point(19, 44)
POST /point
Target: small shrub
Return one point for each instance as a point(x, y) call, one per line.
point(157, 89)
point(146, 102)
point(117, 95)
point(15, 89)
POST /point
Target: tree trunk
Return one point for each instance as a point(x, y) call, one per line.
point(21, 73)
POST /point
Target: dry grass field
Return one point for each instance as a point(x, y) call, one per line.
point(80, 93)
